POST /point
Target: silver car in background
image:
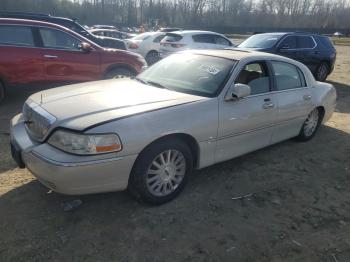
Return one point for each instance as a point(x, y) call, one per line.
point(192, 39)
point(188, 111)
point(147, 45)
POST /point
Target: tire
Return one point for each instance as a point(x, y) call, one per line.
point(322, 72)
point(310, 126)
point(158, 185)
point(119, 73)
point(2, 91)
point(152, 57)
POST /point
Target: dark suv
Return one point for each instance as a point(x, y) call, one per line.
point(315, 51)
point(107, 42)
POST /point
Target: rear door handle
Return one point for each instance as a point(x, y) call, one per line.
point(307, 97)
point(268, 105)
point(51, 56)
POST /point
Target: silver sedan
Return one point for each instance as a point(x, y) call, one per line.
point(189, 111)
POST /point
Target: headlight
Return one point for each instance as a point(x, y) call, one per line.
point(83, 144)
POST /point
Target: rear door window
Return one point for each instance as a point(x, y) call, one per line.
point(204, 38)
point(287, 76)
point(16, 35)
point(305, 42)
point(56, 39)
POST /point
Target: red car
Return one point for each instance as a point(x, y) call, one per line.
point(39, 52)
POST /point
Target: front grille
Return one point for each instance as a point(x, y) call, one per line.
point(37, 120)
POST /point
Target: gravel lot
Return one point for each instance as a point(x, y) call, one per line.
point(298, 208)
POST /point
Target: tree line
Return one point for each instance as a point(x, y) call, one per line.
point(301, 14)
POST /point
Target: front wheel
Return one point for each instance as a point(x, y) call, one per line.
point(119, 73)
point(310, 126)
point(161, 171)
point(152, 58)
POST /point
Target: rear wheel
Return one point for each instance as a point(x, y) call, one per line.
point(161, 171)
point(152, 57)
point(2, 91)
point(310, 125)
point(322, 72)
point(118, 73)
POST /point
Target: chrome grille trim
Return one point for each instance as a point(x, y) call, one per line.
point(37, 120)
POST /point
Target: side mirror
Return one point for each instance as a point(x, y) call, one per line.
point(237, 91)
point(85, 47)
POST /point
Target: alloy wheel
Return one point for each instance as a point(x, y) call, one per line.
point(311, 123)
point(166, 173)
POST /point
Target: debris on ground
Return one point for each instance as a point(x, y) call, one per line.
point(72, 205)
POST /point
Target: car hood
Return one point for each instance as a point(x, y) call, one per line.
point(83, 105)
point(260, 49)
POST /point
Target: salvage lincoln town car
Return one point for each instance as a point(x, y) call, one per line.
point(190, 110)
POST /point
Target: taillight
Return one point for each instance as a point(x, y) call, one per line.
point(133, 46)
point(177, 45)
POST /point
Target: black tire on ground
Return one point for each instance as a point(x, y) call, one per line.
point(310, 126)
point(138, 185)
point(119, 72)
point(322, 72)
point(152, 57)
point(2, 91)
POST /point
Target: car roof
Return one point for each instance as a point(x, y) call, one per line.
point(104, 30)
point(236, 54)
point(25, 15)
point(192, 32)
point(287, 33)
point(31, 22)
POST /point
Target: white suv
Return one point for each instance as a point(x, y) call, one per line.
point(183, 40)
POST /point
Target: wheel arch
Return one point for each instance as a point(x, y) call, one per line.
point(188, 139)
point(152, 50)
point(322, 111)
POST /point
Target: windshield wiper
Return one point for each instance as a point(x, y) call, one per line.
point(141, 80)
point(156, 84)
point(150, 83)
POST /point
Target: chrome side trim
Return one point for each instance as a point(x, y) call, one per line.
point(254, 130)
point(74, 164)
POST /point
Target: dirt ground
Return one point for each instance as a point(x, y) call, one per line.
point(299, 209)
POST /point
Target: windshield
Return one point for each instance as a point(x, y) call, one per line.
point(261, 41)
point(189, 73)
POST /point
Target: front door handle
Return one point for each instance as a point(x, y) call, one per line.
point(268, 105)
point(51, 56)
point(307, 97)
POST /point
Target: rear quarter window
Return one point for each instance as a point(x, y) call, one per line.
point(325, 42)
